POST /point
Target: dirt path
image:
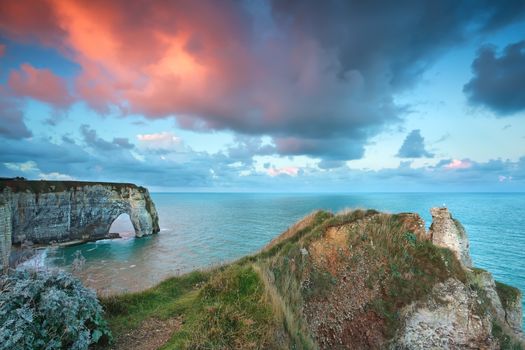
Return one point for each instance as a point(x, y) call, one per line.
point(150, 335)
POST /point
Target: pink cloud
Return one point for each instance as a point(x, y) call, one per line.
point(201, 61)
point(290, 171)
point(2, 50)
point(458, 164)
point(40, 84)
point(161, 140)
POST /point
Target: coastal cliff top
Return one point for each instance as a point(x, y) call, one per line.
point(359, 279)
point(45, 186)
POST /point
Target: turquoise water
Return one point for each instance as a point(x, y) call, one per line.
point(199, 230)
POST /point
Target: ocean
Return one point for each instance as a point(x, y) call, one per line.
point(199, 230)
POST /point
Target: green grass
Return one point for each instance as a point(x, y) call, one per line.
point(231, 311)
point(226, 308)
point(170, 298)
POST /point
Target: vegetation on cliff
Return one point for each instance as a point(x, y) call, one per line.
point(47, 186)
point(329, 281)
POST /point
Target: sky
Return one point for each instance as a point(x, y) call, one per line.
point(271, 96)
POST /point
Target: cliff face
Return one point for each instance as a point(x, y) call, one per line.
point(61, 211)
point(5, 233)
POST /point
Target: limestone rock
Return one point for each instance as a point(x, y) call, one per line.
point(448, 319)
point(514, 317)
point(485, 280)
point(512, 307)
point(449, 233)
point(61, 211)
point(5, 234)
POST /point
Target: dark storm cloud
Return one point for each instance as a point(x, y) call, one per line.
point(414, 146)
point(399, 38)
point(499, 80)
point(329, 149)
point(92, 140)
point(12, 123)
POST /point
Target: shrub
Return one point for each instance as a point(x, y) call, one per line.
point(49, 310)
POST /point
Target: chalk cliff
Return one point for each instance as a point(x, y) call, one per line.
point(62, 211)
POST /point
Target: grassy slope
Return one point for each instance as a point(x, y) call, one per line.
point(273, 299)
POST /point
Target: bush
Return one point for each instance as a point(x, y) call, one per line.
point(49, 310)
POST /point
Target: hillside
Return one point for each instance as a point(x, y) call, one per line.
point(355, 280)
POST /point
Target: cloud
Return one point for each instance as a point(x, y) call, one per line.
point(123, 142)
point(32, 20)
point(503, 178)
point(40, 84)
point(316, 78)
point(12, 123)
point(42, 158)
point(161, 141)
point(2, 50)
point(244, 148)
point(92, 140)
point(414, 146)
point(30, 169)
point(289, 171)
point(457, 164)
point(23, 167)
point(499, 80)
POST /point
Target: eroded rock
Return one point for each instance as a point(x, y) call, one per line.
point(5, 234)
point(447, 232)
point(510, 298)
point(61, 211)
point(449, 319)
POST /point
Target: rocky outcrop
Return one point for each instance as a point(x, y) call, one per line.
point(461, 314)
point(512, 307)
point(61, 211)
point(448, 319)
point(447, 232)
point(370, 280)
point(486, 282)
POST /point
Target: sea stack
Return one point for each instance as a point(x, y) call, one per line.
point(448, 232)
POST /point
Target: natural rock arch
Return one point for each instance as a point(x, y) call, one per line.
point(61, 211)
point(122, 225)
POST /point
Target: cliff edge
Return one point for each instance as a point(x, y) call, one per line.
point(61, 211)
point(358, 279)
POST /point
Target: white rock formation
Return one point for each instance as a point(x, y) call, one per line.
point(62, 211)
point(449, 233)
